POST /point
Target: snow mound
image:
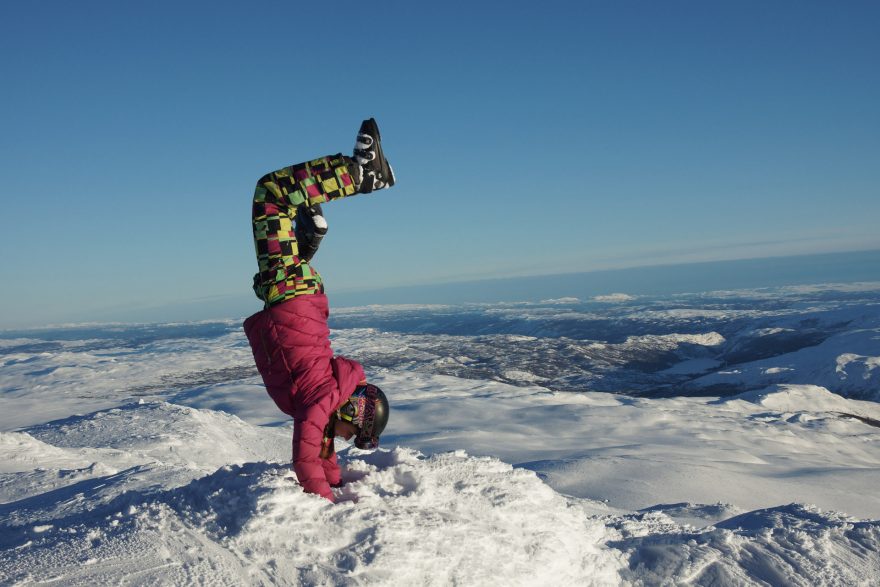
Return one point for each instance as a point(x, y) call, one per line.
point(85, 462)
point(562, 301)
point(696, 514)
point(22, 452)
point(708, 339)
point(795, 398)
point(403, 519)
point(615, 298)
point(787, 545)
point(166, 433)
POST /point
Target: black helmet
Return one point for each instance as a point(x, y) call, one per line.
point(367, 408)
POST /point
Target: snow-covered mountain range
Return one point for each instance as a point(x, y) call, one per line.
point(717, 343)
point(725, 437)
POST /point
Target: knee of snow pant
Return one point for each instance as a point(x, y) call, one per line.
point(317, 181)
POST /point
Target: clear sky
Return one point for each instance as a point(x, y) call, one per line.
point(528, 138)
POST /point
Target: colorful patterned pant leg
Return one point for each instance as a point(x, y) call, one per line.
point(281, 273)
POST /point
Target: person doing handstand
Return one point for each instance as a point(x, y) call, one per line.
point(327, 396)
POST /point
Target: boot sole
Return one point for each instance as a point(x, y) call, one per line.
point(371, 128)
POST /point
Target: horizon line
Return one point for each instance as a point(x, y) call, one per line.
point(488, 280)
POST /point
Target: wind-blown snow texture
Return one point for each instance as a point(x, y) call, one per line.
point(738, 433)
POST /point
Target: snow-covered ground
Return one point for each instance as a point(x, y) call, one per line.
point(152, 454)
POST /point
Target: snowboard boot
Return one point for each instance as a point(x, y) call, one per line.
point(376, 172)
point(311, 226)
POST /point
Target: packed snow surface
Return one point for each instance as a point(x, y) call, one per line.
point(152, 455)
point(248, 521)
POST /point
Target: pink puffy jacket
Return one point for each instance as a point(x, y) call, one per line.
point(291, 345)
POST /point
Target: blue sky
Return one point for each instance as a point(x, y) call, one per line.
point(528, 138)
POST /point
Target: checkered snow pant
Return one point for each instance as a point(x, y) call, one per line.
point(282, 275)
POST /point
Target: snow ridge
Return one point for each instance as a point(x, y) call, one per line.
point(788, 545)
point(403, 519)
